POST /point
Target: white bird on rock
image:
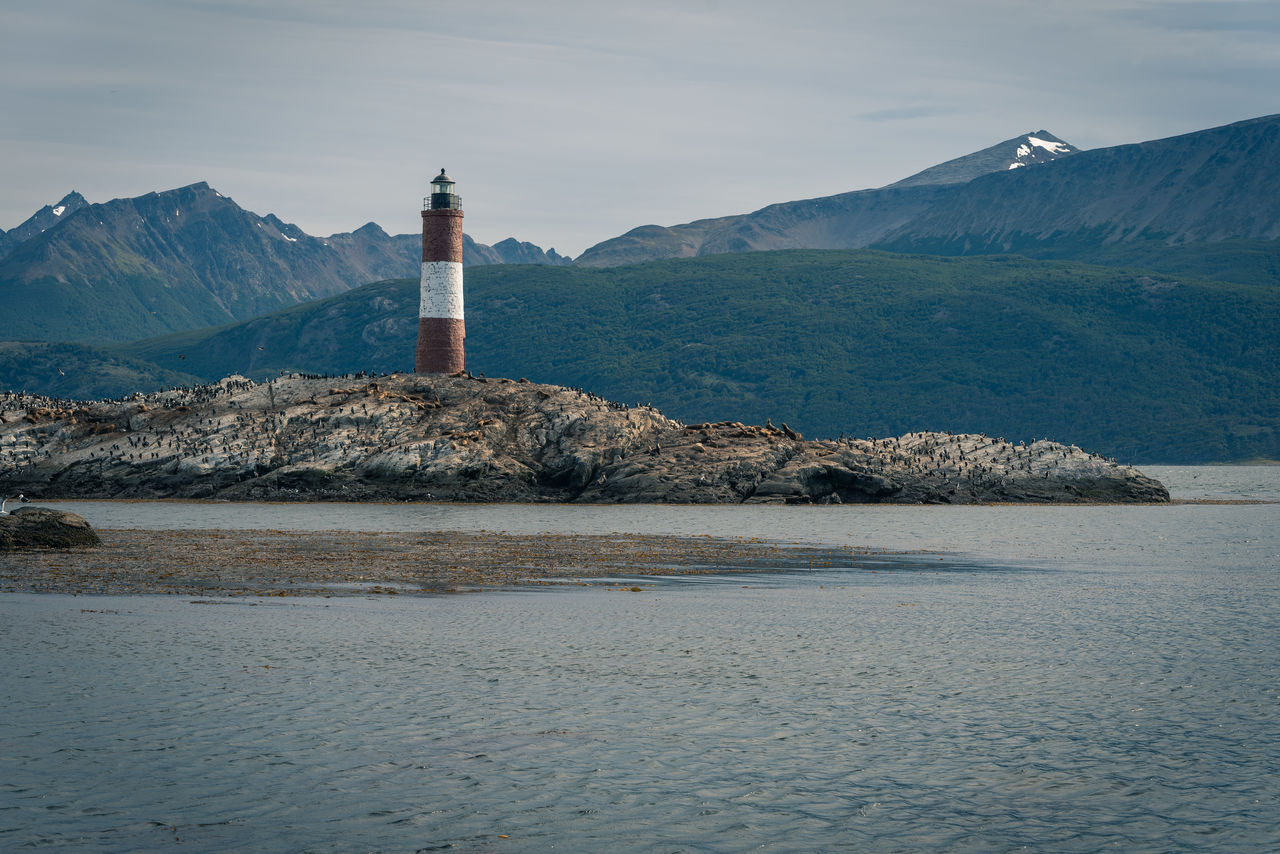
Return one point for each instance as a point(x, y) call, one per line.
point(22, 499)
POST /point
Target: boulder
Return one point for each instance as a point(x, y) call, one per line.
point(45, 528)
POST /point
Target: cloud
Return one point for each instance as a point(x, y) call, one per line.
point(331, 114)
point(1255, 17)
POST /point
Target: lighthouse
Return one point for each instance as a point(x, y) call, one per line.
point(441, 330)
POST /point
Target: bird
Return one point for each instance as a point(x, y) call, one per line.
point(22, 499)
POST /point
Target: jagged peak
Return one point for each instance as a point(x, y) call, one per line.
point(1040, 147)
point(49, 216)
point(69, 203)
point(513, 251)
point(370, 229)
point(72, 198)
point(287, 230)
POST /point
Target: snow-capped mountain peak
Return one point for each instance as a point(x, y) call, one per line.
point(1039, 147)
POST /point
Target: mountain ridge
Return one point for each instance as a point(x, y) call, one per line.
point(1037, 146)
point(849, 220)
point(1202, 187)
point(42, 220)
point(1207, 186)
point(188, 258)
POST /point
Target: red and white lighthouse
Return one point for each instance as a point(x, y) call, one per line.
point(441, 330)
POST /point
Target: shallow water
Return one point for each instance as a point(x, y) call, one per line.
point(1020, 534)
point(1082, 679)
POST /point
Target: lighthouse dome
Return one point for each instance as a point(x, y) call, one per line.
point(442, 196)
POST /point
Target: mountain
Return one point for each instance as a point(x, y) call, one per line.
point(1141, 367)
point(42, 220)
point(1204, 187)
point(186, 259)
point(509, 251)
point(1026, 150)
point(1170, 201)
point(845, 221)
point(849, 220)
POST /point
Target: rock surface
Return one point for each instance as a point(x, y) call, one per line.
point(463, 438)
point(45, 528)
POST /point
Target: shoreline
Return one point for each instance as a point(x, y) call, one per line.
point(255, 562)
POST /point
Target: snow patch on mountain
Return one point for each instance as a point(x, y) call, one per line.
point(1035, 149)
point(1049, 145)
point(1028, 149)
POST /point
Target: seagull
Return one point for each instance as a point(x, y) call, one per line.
point(21, 499)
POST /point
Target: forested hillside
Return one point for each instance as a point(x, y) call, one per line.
point(1142, 367)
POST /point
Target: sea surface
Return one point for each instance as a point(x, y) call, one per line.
point(1057, 679)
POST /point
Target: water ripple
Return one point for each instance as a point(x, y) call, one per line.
point(1066, 706)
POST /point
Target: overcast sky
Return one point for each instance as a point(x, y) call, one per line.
point(566, 123)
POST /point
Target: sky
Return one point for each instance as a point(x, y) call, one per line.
point(565, 123)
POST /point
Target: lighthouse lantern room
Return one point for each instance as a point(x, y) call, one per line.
point(442, 196)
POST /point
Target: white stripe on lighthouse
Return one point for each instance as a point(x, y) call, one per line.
point(441, 290)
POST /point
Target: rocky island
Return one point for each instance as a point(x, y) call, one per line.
point(472, 438)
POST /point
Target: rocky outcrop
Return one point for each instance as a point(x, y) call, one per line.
point(44, 528)
point(464, 438)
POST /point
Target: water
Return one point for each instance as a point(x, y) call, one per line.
point(1214, 483)
point(1067, 679)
